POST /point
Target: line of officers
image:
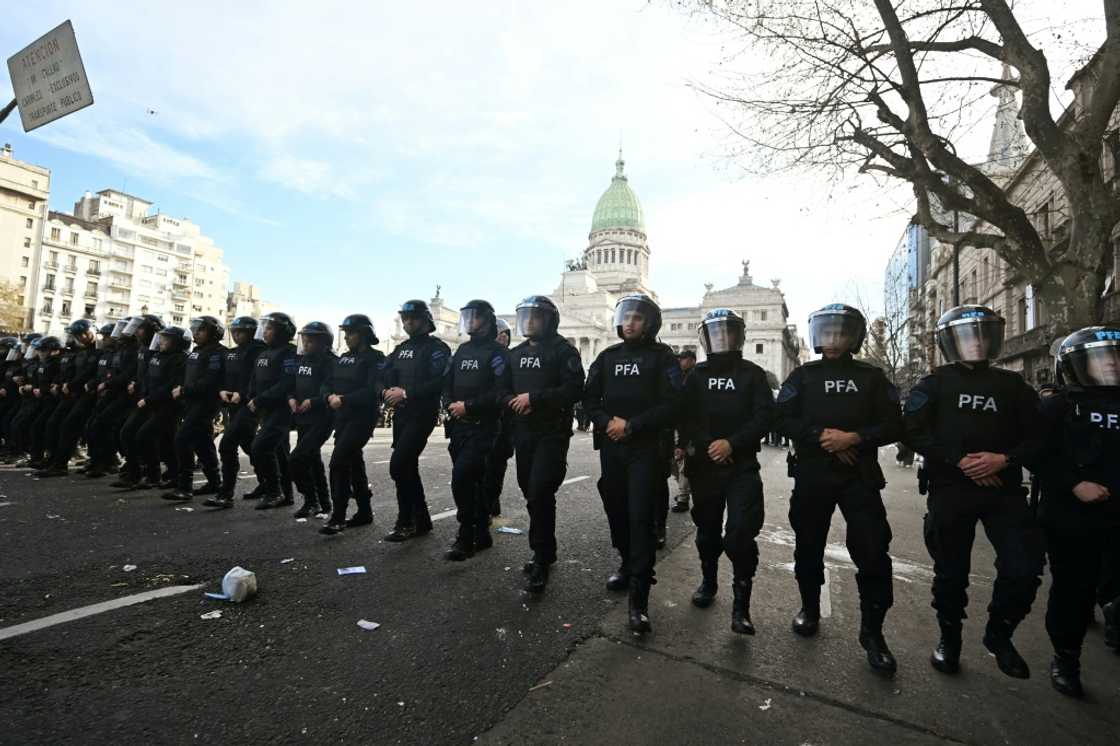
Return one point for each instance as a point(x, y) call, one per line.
point(140, 392)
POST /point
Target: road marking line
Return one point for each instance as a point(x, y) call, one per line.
point(84, 611)
point(6, 504)
point(444, 514)
point(573, 480)
point(377, 463)
point(826, 595)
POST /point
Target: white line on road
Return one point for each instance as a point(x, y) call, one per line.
point(84, 611)
point(387, 460)
point(6, 504)
point(574, 480)
point(444, 514)
point(826, 595)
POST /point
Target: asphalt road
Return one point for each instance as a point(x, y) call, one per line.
point(462, 651)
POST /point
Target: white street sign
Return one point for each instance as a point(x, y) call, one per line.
point(49, 79)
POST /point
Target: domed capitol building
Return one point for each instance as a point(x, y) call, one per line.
point(616, 263)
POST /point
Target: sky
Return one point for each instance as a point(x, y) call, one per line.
point(347, 156)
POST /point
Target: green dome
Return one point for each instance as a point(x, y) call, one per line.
point(618, 207)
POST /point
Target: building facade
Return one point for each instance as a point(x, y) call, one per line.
point(24, 196)
point(616, 263)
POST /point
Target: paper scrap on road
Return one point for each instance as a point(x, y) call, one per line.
point(6, 504)
point(301, 520)
point(286, 560)
point(211, 615)
point(129, 568)
point(509, 530)
point(765, 705)
point(185, 509)
point(541, 685)
point(52, 517)
point(366, 624)
point(358, 570)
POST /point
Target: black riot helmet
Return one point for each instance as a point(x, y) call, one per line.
point(476, 319)
point(314, 330)
point(242, 329)
point(970, 334)
point(47, 345)
point(418, 309)
point(212, 326)
point(502, 327)
point(80, 329)
point(143, 327)
point(179, 339)
point(359, 322)
point(105, 339)
point(633, 307)
point(722, 332)
point(837, 325)
point(537, 317)
point(282, 325)
point(1090, 358)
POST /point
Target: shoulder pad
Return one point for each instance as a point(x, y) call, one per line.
point(612, 348)
point(812, 364)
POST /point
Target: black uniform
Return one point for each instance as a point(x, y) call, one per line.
point(20, 429)
point(272, 383)
point(357, 377)
point(100, 444)
point(959, 410)
point(163, 372)
point(726, 397)
point(418, 365)
point(313, 428)
point(81, 396)
point(479, 376)
point(46, 377)
point(641, 383)
point(203, 375)
point(551, 373)
point(65, 398)
point(136, 417)
point(497, 462)
point(852, 396)
point(10, 401)
point(241, 424)
point(1083, 428)
point(113, 406)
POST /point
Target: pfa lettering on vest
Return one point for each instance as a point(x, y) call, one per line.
point(840, 386)
point(468, 365)
point(626, 369)
point(404, 354)
point(721, 384)
point(1105, 420)
point(530, 362)
point(305, 370)
point(977, 402)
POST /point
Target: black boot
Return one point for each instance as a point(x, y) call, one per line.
point(997, 639)
point(213, 485)
point(618, 580)
point(639, 606)
point(538, 578)
point(307, 509)
point(364, 516)
point(946, 657)
point(1112, 625)
point(741, 608)
point(400, 533)
point(460, 550)
point(706, 593)
point(661, 536)
point(808, 621)
point(482, 538)
point(270, 501)
point(221, 500)
point(871, 639)
point(254, 494)
point(1065, 673)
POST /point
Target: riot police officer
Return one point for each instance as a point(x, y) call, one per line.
point(314, 420)
point(40, 372)
point(241, 423)
point(414, 377)
point(354, 394)
point(9, 393)
point(477, 383)
point(497, 460)
point(838, 411)
point(547, 379)
point(45, 388)
point(977, 426)
point(632, 394)
point(272, 383)
point(1080, 481)
point(67, 424)
point(105, 418)
point(163, 374)
point(727, 411)
point(144, 330)
point(198, 396)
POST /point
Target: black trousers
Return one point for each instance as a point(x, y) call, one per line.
point(348, 466)
point(7, 414)
point(1108, 586)
point(542, 463)
point(468, 448)
point(868, 534)
point(73, 428)
point(410, 436)
point(19, 433)
point(104, 426)
point(736, 488)
point(1077, 541)
point(240, 430)
point(195, 436)
point(130, 429)
point(39, 426)
point(950, 529)
point(152, 440)
point(270, 445)
point(497, 461)
point(305, 462)
point(628, 488)
point(53, 432)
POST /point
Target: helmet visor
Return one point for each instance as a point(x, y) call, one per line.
point(118, 330)
point(533, 322)
point(971, 340)
point(634, 313)
point(721, 335)
point(154, 344)
point(1094, 364)
point(472, 321)
point(13, 354)
point(313, 344)
point(266, 322)
point(133, 326)
point(834, 331)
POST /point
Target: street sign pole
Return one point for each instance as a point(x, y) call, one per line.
point(8, 109)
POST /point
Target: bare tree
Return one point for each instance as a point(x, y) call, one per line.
point(11, 308)
point(891, 88)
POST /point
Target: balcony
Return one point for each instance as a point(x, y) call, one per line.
point(68, 292)
point(51, 265)
point(90, 295)
point(48, 289)
point(93, 272)
point(120, 284)
point(180, 294)
point(48, 311)
point(71, 268)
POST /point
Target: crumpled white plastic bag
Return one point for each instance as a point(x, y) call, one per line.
point(239, 584)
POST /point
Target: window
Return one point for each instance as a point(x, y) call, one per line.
point(91, 289)
point(34, 183)
point(52, 258)
point(1021, 316)
point(23, 281)
point(180, 308)
point(30, 205)
point(89, 311)
point(758, 348)
point(762, 316)
point(94, 267)
point(27, 242)
point(48, 306)
point(48, 282)
point(161, 259)
point(24, 261)
point(66, 308)
point(69, 286)
point(97, 244)
point(56, 234)
point(73, 238)
point(72, 262)
point(30, 223)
